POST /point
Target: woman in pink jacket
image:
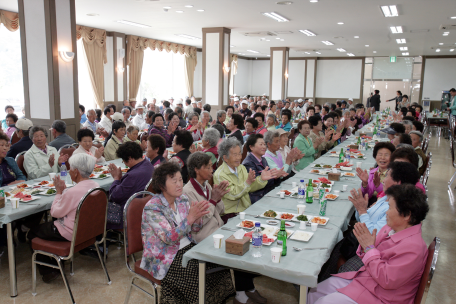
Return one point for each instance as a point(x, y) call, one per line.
point(393, 258)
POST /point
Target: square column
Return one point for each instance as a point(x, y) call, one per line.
point(115, 72)
point(216, 66)
point(278, 80)
point(49, 62)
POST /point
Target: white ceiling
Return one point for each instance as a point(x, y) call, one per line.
point(361, 18)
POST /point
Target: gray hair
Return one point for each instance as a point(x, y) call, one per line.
point(212, 136)
point(418, 133)
point(226, 145)
point(204, 112)
point(269, 137)
point(91, 110)
point(190, 116)
point(132, 128)
point(124, 109)
point(273, 117)
point(196, 161)
point(407, 122)
point(220, 113)
point(84, 163)
point(35, 129)
point(59, 126)
point(404, 145)
point(345, 112)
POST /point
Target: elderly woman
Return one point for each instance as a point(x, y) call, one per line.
point(155, 150)
point(117, 138)
point(235, 125)
point(41, 159)
point(181, 146)
point(221, 117)
point(132, 135)
point(242, 182)
point(372, 182)
point(11, 172)
point(209, 145)
point(135, 180)
point(306, 145)
point(417, 139)
point(229, 111)
point(158, 128)
point(393, 258)
point(64, 208)
point(85, 139)
point(271, 122)
point(195, 127)
point(167, 224)
point(286, 124)
point(329, 136)
point(11, 120)
point(405, 153)
point(272, 108)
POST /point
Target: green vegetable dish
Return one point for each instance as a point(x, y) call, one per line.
point(302, 218)
point(323, 185)
point(317, 166)
point(51, 191)
point(270, 213)
point(102, 176)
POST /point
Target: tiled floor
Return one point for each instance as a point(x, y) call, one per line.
point(89, 285)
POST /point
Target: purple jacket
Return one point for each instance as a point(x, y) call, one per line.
point(370, 184)
point(133, 181)
point(163, 133)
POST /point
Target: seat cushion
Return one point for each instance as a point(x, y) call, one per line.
point(144, 273)
point(59, 248)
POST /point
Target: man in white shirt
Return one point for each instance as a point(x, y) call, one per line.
point(171, 102)
point(106, 121)
point(139, 119)
point(189, 108)
point(350, 103)
point(91, 124)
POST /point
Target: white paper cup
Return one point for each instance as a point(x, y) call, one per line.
point(301, 209)
point(14, 203)
point(293, 184)
point(345, 187)
point(336, 192)
point(303, 225)
point(314, 226)
point(242, 215)
point(282, 194)
point(51, 176)
point(218, 240)
point(276, 253)
point(358, 164)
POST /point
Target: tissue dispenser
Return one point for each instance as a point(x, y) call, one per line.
point(237, 246)
point(334, 176)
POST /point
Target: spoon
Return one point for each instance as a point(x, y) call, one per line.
point(300, 249)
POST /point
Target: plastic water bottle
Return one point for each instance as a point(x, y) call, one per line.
point(301, 189)
point(63, 173)
point(347, 155)
point(257, 241)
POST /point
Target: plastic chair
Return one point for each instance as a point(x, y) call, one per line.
point(133, 243)
point(90, 221)
point(14, 138)
point(20, 162)
point(428, 273)
point(67, 149)
point(244, 152)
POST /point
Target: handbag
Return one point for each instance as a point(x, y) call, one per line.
point(349, 246)
point(114, 213)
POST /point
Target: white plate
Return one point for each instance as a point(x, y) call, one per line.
point(346, 168)
point(291, 194)
point(331, 199)
point(321, 166)
point(240, 225)
point(272, 222)
point(33, 198)
point(45, 194)
point(289, 225)
point(280, 214)
point(269, 230)
point(97, 176)
point(289, 233)
point(262, 215)
point(347, 174)
point(302, 236)
point(326, 218)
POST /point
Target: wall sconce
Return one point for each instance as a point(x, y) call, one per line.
point(286, 75)
point(121, 53)
point(66, 56)
point(120, 69)
point(226, 68)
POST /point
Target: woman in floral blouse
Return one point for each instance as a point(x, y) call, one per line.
point(167, 222)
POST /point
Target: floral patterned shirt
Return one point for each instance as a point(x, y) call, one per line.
point(161, 234)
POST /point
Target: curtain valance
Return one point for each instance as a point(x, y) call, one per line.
point(92, 35)
point(10, 20)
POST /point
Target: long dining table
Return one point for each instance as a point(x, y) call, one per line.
point(297, 267)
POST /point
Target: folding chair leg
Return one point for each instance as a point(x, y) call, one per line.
point(59, 262)
point(72, 266)
point(102, 261)
point(127, 298)
point(34, 274)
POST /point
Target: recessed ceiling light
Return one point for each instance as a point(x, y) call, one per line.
point(437, 50)
point(389, 11)
point(318, 53)
point(374, 52)
point(276, 17)
point(132, 23)
point(93, 15)
point(454, 17)
point(200, 10)
point(367, 45)
point(440, 43)
point(444, 34)
point(403, 48)
point(328, 42)
point(340, 23)
point(268, 55)
point(356, 37)
point(341, 50)
point(401, 41)
point(240, 53)
point(284, 3)
point(313, 1)
point(167, 7)
point(308, 33)
point(189, 6)
point(179, 11)
point(451, 50)
point(405, 54)
point(350, 54)
point(307, 53)
point(278, 38)
point(252, 51)
point(396, 29)
point(188, 36)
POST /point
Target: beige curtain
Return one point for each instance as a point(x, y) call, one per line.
point(233, 71)
point(10, 20)
point(94, 42)
point(135, 55)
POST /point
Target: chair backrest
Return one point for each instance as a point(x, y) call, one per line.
point(67, 149)
point(149, 187)
point(91, 217)
point(428, 163)
point(291, 138)
point(132, 215)
point(428, 273)
point(144, 136)
point(220, 162)
point(20, 162)
point(14, 138)
point(75, 145)
point(244, 152)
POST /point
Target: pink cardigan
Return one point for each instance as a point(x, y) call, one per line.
point(370, 184)
point(392, 270)
point(64, 206)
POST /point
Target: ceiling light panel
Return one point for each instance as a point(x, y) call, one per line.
point(284, 3)
point(340, 23)
point(350, 54)
point(403, 48)
point(200, 10)
point(356, 37)
point(328, 42)
point(188, 36)
point(276, 17)
point(252, 51)
point(308, 33)
point(451, 50)
point(437, 50)
point(401, 41)
point(132, 23)
point(405, 54)
point(396, 29)
point(189, 6)
point(389, 10)
point(341, 50)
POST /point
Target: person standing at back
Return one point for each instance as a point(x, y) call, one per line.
point(375, 101)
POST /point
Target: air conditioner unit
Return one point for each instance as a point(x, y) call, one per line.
point(259, 34)
point(447, 27)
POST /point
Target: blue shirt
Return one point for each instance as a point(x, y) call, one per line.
point(375, 218)
point(287, 127)
point(83, 118)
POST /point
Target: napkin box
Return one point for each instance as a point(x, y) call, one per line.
point(2, 202)
point(237, 246)
point(334, 176)
point(362, 134)
point(355, 147)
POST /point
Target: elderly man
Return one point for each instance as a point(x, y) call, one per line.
point(199, 104)
point(58, 130)
point(139, 120)
point(144, 102)
point(126, 103)
point(350, 105)
point(23, 126)
point(106, 121)
point(245, 112)
point(417, 139)
point(93, 125)
point(126, 116)
point(180, 113)
point(188, 108)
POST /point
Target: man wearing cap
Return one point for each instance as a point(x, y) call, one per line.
point(394, 130)
point(452, 106)
point(23, 126)
point(144, 102)
point(58, 131)
point(139, 119)
point(350, 105)
point(106, 121)
point(179, 103)
point(245, 112)
point(236, 103)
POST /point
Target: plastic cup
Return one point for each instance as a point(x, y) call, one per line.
point(358, 164)
point(51, 176)
point(218, 240)
point(314, 226)
point(336, 192)
point(282, 194)
point(276, 253)
point(316, 194)
point(293, 184)
point(303, 225)
point(14, 203)
point(242, 215)
point(345, 187)
point(301, 209)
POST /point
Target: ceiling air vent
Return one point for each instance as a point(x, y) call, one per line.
point(448, 27)
point(259, 34)
point(283, 32)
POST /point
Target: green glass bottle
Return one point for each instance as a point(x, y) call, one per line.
point(282, 236)
point(375, 130)
point(341, 155)
point(309, 192)
point(359, 140)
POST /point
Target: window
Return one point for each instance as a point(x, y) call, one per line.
point(11, 82)
point(85, 89)
point(163, 76)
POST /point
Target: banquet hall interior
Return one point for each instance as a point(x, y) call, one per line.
point(138, 61)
